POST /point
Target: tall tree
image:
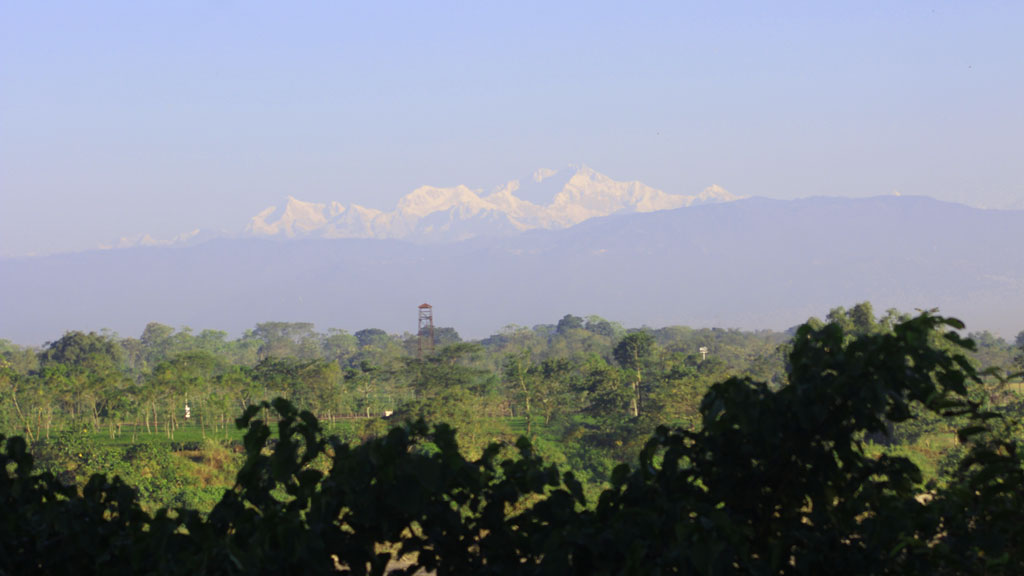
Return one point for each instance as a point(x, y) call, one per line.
point(517, 373)
point(862, 317)
point(93, 361)
point(282, 339)
point(630, 353)
point(156, 342)
point(568, 323)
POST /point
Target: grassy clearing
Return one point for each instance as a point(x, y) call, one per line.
point(193, 433)
point(184, 434)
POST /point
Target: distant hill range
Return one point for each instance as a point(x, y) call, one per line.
point(750, 263)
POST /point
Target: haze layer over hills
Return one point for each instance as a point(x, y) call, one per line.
point(752, 263)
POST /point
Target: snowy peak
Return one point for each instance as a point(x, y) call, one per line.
point(715, 193)
point(298, 218)
point(589, 194)
point(426, 200)
point(356, 222)
point(546, 199)
point(541, 187)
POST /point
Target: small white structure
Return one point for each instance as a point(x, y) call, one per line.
point(703, 353)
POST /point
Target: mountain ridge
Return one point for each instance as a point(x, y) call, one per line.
point(753, 263)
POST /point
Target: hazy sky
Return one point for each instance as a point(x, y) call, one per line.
point(122, 118)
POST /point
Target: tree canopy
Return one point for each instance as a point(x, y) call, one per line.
point(775, 480)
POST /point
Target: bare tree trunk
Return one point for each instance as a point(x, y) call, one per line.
point(39, 422)
point(26, 422)
point(526, 407)
point(636, 388)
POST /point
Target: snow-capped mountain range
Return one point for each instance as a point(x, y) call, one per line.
point(148, 240)
point(549, 200)
point(752, 263)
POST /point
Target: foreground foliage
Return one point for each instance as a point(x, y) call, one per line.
point(776, 480)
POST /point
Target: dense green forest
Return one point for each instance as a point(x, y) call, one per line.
point(744, 452)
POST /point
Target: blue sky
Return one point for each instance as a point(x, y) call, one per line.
point(122, 118)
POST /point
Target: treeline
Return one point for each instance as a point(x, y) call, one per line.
point(104, 381)
point(586, 390)
point(773, 478)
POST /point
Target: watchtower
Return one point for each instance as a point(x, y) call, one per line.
point(425, 331)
